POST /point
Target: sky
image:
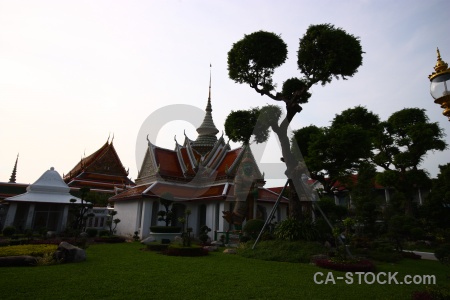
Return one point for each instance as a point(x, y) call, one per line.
point(73, 73)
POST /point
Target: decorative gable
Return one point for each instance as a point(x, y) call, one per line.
point(149, 169)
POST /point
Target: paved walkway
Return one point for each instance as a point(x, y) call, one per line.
point(425, 255)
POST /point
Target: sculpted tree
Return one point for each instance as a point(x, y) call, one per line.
point(324, 53)
point(334, 153)
point(437, 205)
point(401, 145)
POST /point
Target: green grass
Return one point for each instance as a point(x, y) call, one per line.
point(124, 271)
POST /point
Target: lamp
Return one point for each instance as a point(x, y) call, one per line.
point(440, 84)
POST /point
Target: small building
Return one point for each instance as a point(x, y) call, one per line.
point(45, 204)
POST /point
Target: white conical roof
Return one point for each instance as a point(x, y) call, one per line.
point(50, 181)
point(49, 188)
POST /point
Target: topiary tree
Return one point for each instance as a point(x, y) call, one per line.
point(324, 53)
point(80, 211)
point(111, 222)
point(203, 235)
point(166, 215)
point(253, 227)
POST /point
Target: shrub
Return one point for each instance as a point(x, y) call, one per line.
point(178, 250)
point(32, 250)
point(47, 260)
point(165, 229)
point(433, 292)
point(284, 251)
point(294, 230)
point(253, 227)
point(157, 247)
point(103, 233)
point(9, 231)
point(91, 232)
point(346, 266)
point(442, 253)
point(203, 236)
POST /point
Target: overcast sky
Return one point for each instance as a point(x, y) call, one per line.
point(73, 73)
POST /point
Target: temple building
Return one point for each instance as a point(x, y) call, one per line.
point(45, 204)
point(220, 186)
point(102, 171)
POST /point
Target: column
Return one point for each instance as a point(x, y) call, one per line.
point(9, 220)
point(30, 216)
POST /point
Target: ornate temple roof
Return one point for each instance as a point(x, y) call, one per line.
point(101, 171)
point(207, 131)
point(203, 169)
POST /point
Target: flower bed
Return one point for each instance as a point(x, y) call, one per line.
point(32, 250)
point(346, 266)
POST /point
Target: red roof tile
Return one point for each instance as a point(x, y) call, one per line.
point(168, 163)
point(227, 161)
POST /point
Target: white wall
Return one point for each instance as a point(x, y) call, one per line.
point(127, 212)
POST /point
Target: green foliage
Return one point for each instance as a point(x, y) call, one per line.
point(336, 152)
point(334, 212)
point(182, 250)
point(166, 215)
point(156, 246)
point(291, 90)
point(79, 211)
point(203, 234)
point(46, 260)
point(442, 253)
point(253, 227)
point(250, 278)
point(401, 145)
point(303, 137)
point(400, 228)
point(239, 125)
point(295, 230)
point(32, 250)
point(111, 222)
point(9, 231)
point(366, 201)
point(92, 232)
point(326, 52)
point(253, 59)
point(283, 251)
point(437, 204)
point(103, 233)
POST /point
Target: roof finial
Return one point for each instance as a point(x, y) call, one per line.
point(207, 130)
point(112, 138)
point(12, 179)
point(107, 141)
point(209, 95)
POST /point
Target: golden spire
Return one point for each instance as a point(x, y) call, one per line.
point(440, 67)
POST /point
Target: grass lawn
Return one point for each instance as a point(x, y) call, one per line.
point(123, 271)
